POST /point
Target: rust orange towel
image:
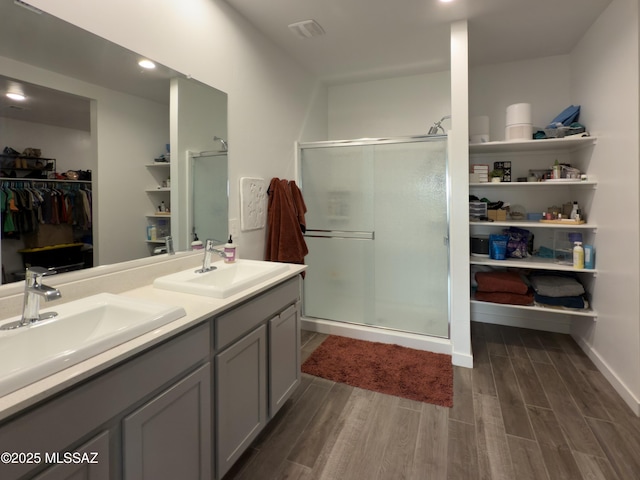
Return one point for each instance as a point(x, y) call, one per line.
point(285, 242)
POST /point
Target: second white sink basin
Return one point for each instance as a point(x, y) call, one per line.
point(227, 279)
point(82, 329)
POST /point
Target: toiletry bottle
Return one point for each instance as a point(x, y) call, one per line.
point(229, 251)
point(574, 211)
point(589, 257)
point(578, 255)
point(153, 233)
point(197, 243)
point(557, 170)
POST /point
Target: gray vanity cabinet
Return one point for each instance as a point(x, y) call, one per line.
point(95, 468)
point(170, 375)
point(170, 436)
point(284, 357)
point(257, 367)
point(241, 383)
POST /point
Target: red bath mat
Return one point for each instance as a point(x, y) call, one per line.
point(391, 369)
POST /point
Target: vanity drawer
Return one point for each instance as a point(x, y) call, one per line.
point(232, 325)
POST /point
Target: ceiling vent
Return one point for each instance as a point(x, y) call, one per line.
point(307, 29)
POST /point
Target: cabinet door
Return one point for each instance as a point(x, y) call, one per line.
point(93, 465)
point(170, 436)
point(241, 388)
point(284, 357)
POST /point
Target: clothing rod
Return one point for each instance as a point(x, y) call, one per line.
point(49, 180)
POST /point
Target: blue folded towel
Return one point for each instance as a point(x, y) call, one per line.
point(566, 117)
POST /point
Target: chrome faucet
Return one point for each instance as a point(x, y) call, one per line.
point(208, 252)
point(168, 243)
point(34, 289)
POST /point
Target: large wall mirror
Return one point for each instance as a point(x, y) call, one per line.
point(90, 107)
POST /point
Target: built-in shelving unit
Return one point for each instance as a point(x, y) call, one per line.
point(158, 193)
point(535, 155)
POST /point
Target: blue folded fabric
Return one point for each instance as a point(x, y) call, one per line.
point(566, 117)
point(568, 302)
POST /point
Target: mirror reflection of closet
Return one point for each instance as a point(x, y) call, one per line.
point(128, 112)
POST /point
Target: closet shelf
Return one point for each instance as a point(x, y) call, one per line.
point(588, 183)
point(534, 263)
point(158, 189)
point(535, 308)
point(526, 224)
point(572, 142)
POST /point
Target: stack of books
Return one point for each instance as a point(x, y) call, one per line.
point(479, 174)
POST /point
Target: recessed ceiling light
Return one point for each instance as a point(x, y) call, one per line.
point(16, 96)
point(148, 64)
point(446, 1)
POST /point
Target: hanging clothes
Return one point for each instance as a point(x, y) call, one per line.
point(285, 223)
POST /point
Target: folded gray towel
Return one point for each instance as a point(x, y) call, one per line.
point(556, 286)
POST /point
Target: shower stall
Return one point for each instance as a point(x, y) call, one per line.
point(377, 231)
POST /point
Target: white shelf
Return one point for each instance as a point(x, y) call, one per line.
point(533, 263)
point(527, 224)
point(549, 144)
point(159, 215)
point(579, 313)
point(158, 189)
point(588, 183)
point(158, 164)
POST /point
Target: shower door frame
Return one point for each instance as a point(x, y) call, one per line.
point(382, 141)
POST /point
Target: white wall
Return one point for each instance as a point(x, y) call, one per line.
point(68, 146)
point(604, 77)
point(543, 82)
point(400, 106)
point(269, 95)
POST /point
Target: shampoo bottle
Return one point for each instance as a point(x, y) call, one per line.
point(578, 255)
point(229, 251)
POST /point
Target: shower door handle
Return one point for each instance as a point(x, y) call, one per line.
point(446, 240)
point(364, 235)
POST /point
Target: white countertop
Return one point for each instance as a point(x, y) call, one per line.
point(198, 309)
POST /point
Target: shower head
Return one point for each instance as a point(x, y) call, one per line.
point(225, 147)
point(437, 126)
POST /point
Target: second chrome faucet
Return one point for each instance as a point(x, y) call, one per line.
point(209, 250)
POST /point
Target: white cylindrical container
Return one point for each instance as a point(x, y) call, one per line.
point(479, 129)
point(519, 125)
point(519, 114)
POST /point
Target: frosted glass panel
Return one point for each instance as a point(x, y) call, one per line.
point(339, 281)
point(338, 188)
point(210, 199)
point(397, 192)
point(411, 255)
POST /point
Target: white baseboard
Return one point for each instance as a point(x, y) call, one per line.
point(619, 386)
point(373, 334)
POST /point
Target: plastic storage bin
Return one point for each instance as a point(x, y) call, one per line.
point(563, 243)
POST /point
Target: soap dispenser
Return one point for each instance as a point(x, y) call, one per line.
point(229, 251)
point(197, 243)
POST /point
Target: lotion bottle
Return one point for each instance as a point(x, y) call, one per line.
point(578, 256)
point(229, 251)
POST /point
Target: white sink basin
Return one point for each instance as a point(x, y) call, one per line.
point(227, 279)
point(82, 329)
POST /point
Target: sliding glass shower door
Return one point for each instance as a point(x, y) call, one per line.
point(377, 229)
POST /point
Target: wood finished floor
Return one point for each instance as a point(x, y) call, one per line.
point(534, 407)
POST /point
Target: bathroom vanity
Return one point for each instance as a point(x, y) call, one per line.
point(183, 401)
